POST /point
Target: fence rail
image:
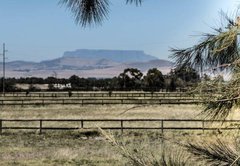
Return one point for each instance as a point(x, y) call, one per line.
point(100, 94)
point(43, 102)
point(82, 123)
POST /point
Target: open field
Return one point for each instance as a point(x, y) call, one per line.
point(88, 147)
point(101, 112)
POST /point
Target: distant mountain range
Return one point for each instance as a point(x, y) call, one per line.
point(87, 63)
point(120, 56)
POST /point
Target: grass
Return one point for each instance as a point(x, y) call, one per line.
point(89, 147)
point(63, 148)
point(97, 112)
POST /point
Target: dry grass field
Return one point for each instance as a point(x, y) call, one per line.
point(89, 147)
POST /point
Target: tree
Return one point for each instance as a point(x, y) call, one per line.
point(88, 12)
point(10, 85)
point(130, 78)
point(183, 77)
point(154, 79)
point(217, 51)
point(187, 74)
point(51, 80)
point(74, 80)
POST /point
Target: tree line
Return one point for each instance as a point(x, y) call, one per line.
point(129, 79)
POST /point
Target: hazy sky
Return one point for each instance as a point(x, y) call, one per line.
point(36, 30)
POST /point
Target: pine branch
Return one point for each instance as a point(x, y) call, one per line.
point(214, 49)
point(88, 12)
point(224, 65)
point(137, 2)
point(217, 153)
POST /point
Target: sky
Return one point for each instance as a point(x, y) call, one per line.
point(36, 30)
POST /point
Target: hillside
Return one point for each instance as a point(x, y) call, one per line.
point(144, 66)
point(88, 63)
point(120, 56)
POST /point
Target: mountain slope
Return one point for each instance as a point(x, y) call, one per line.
point(88, 63)
point(121, 56)
point(144, 66)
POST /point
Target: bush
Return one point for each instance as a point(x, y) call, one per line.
point(33, 88)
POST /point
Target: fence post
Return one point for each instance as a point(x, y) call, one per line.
point(203, 126)
point(122, 126)
point(40, 127)
point(81, 124)
point(162, 126)
point(1, 126)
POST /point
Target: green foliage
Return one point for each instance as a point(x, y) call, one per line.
point(219, 51)
point(227, 98)
point(213, 49)
point(74, 80)
point(154, 79)
point(33, 88)
point(213, 153)
point(10, 85)
point(187, 74)
point(131, 78)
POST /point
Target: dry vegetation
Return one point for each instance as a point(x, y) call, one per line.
point(89, 147)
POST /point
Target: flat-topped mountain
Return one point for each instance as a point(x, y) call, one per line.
point(121, 56)
point(88, 63)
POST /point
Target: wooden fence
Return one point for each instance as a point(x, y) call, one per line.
point(99, 94)
point(121, 124)
point(94, 101)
